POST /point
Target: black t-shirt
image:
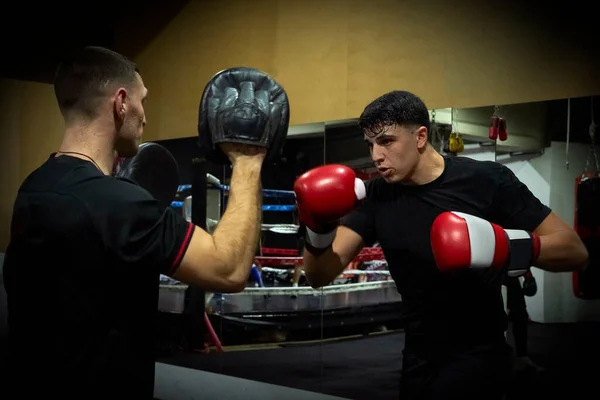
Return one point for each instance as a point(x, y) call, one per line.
point(82, 274)
point(462, 308)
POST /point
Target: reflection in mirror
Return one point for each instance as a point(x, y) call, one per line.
point(362, 299)
point(548, 146)
point(186, 322)
point(277, 309)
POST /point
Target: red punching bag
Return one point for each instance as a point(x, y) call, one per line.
point(586, 284)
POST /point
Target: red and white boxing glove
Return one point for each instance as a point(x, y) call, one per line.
point(460, 241)
point(324, 195)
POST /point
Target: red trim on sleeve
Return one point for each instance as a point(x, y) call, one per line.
point(182, 249)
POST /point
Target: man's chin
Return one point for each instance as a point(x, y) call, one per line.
point(389, 177)
point(394, 178)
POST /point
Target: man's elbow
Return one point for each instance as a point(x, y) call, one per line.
point(576, 258)
point(229, 277)
point(229, 286)
point(314, 280)
point(581, 258)
point(234, 282)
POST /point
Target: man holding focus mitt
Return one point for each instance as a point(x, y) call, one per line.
point(99, 226)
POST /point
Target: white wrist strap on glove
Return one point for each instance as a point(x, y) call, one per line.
point(320, 240)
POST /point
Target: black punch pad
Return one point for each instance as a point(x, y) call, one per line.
point(155, 169)
point(242, 105)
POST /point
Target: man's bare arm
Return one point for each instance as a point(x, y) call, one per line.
point(561, 249)
point(323, 266)
point(222, 261)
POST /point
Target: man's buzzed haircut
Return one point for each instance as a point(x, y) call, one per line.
point(84, 77)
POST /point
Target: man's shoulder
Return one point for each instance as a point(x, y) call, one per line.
point(472, 168)
point(474, 164)
point(81, 182)
point(110, 192)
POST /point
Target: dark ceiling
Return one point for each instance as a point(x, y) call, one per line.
point(34, 38)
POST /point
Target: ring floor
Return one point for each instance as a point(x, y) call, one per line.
point(368, 367)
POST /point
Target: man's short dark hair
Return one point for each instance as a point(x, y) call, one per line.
point(84, 77)
point(394, 108)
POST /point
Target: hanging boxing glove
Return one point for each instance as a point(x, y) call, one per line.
point(493, 132)
point(460, 142)
point(502, 134)
point(453, 144)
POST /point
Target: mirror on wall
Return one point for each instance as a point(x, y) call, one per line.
point(277, 309)
point(313, 338)
point(547, 145)
point(186, 323)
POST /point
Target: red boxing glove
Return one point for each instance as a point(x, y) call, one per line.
point(502, 134)
point(324, 195)
point(460, 241)
point(494, 125)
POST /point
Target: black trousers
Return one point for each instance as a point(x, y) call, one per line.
point(481, 372)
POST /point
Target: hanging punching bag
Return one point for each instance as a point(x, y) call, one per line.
point(586, 284)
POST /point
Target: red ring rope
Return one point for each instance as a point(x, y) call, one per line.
point(366, 254)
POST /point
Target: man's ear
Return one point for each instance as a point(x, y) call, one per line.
point(121, 99)
point(422, 135)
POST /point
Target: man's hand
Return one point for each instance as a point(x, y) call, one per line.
point(237, 151)
point(324, 195)
point(461, 241)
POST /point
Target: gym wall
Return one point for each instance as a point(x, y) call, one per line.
point(31, 128)
point(333, 57)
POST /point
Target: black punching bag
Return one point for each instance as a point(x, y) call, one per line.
point(586, 284)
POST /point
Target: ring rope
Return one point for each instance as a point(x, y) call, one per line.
point(284, 208)
point(281, 194)
point(273, 257)
point(345, 272)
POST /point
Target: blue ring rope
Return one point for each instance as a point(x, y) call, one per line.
point(284, 194)
point(287, 208)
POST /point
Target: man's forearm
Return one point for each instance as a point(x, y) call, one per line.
point(321, 266)
point(238, 231)
point(562, 251)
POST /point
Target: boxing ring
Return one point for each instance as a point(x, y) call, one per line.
point(359, 296)
point(265, 301)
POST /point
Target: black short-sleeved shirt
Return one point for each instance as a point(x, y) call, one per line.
point(461, 308)
point(82, 274)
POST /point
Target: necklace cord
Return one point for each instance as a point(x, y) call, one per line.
point(83, 155)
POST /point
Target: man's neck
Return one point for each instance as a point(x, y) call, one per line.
point(90, 143)
point(431, 166)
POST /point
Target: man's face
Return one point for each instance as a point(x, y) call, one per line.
point(396, 150)
point(133, 118)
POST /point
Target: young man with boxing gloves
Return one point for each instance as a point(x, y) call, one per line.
point(451, 228)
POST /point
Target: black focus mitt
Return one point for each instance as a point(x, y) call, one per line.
point(155, 169)
point(246, 106)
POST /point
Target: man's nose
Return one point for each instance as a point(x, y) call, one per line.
point(377, 154)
